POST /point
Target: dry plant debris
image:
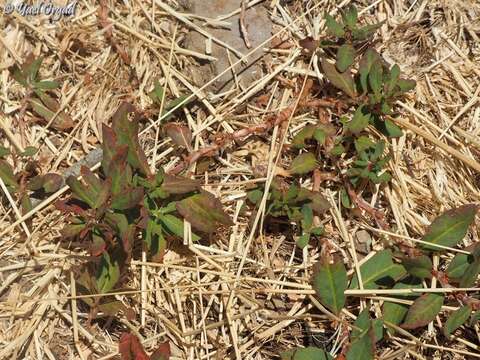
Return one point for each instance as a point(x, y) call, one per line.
point(311, 172)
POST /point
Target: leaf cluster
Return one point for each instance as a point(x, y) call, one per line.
point(128, 202)
point(294, 203)
point(405, 270)
point(40, 98)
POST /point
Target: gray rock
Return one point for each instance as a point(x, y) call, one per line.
point(259, 27)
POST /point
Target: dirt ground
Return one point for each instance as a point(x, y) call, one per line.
point(244, 294)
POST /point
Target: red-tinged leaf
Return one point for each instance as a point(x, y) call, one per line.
point(72, 230)
point(423, 311)
point(456, 319)
point(125, 126)
point(303, 164)
point(109, 147)
point(98, 245)
point(47, 107)
point(204, 212)
point(131, 349)
point(451, 227)
point(309, 44)
point(81, 192)
point(103, 194)
point(330, 282)
point(52, 182)
point(67, 209)
point(179, 185)
point(119, 171)
point(127, 199)
point(345, 57)
point(366, 62)
point(162, 352)
point(419, 266)
point(343, 81)
point(180, 134)
point(90, 179)
point(7, 176)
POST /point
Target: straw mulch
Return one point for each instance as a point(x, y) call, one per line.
point(242, 295)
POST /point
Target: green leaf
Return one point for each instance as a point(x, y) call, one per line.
point(127, 199)
point(423, 311)
point(308, 353)
point(469, 278)
point(456, 319)
point(307, 220)
point(419, 266)
point(363, 322)
point(303, 164)
point(303, 240)
point(320, 136)
point(330, 283)
point(350, 17)
point(345, 199)
point(179, 185)
point(29, 151)
point(343, 81)
point(375, 78)
point(46, 85)
point(125, 127)
point(461, 262)
point(337, 150)
point(254, 196)
point(175, 226)
point(362, 347)
point(379, 271)
point(369, 58)
point(394, 313)
point(405, 85)
point(363, 143)
point(451, 227)
point(333, 26)
point(393, 77)
point(178, 103)
point(7, 175)
point(157, 93)
point(61, 122)
point(359, 121)
point(306, 133)
point(387, 127)
point(4, 151)
point(81, 192)
point(345, 57)
point(108, 274)
point(366, 31)
point(204, 212)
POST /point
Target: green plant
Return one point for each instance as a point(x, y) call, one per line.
point(370, 87)
point(294, 203)
point(27, 181)
point(128, 203)
point(39, 94)
point(399, 271)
